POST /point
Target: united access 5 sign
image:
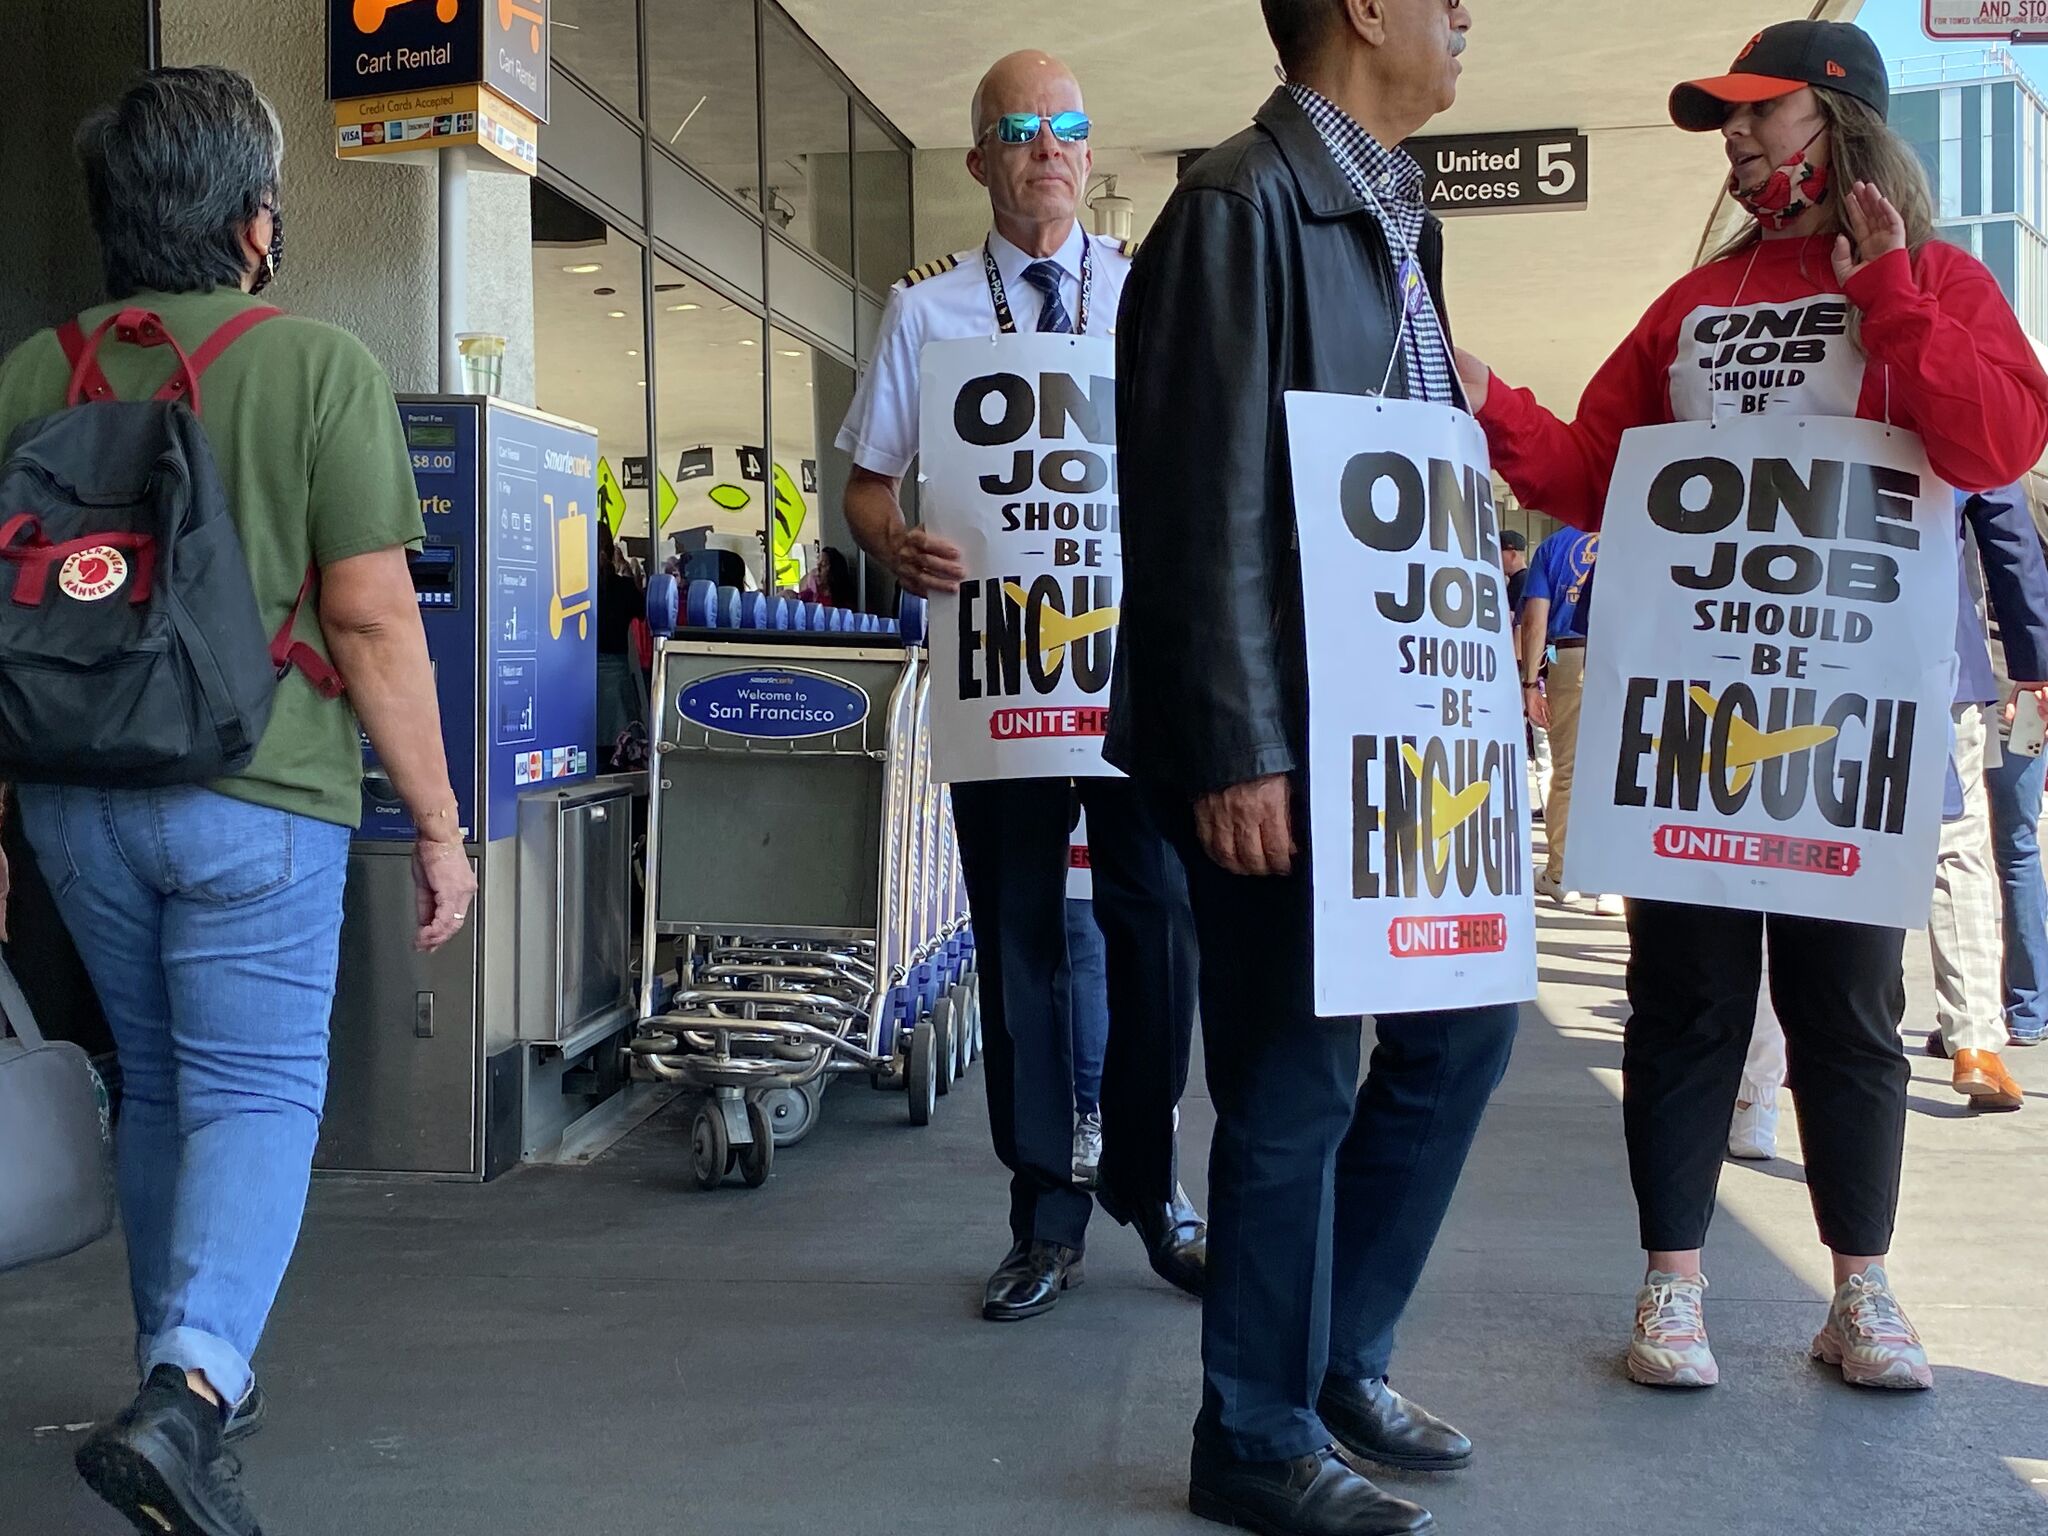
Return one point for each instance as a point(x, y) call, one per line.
point(395, 47)
point(1502, 172)
point(1962, 21)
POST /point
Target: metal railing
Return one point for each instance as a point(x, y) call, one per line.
point(1992, 63)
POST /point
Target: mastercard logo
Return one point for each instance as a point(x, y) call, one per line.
point(93, 574)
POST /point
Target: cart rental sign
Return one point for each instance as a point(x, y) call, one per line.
point(1772, 664)
point(1017, 442)
point(1418, 767)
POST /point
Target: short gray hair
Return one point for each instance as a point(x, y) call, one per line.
point(174, 172)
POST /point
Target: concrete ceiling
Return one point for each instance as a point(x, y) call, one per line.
point(1544, 297)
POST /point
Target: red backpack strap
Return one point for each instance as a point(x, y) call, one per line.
point(88, 383)
point(209, 350)
point(288, 651)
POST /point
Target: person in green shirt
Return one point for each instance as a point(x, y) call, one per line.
point(209, 918)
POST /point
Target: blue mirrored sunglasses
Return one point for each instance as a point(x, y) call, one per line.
point(1023, 127)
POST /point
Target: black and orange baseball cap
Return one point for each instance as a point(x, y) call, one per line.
point(1828, 55)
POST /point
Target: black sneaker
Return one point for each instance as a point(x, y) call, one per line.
point(247, 1417)
point(161, 1464)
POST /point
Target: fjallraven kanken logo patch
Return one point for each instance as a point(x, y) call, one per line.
point(92, 574)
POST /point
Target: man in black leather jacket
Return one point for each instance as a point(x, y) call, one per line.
point(1276, 267)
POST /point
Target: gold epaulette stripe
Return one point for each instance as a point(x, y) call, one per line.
point(931, 269)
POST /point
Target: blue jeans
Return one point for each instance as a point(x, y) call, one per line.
point(2015, 791)
point(1088, 980)
point(211, 930)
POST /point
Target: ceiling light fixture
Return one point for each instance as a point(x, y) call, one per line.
point(792, 354)
point(585, 268)
point(748, 341)
point(683, 309)
point(632, 352)
point(616, 314)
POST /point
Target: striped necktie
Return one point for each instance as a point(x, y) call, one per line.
point(1046, 277)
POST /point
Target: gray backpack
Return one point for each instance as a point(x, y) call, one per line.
point(56, 1163)
point(132, 653)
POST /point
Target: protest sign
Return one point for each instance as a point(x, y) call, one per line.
point(1017, 441)
point(1418, 801)
point(1770, 673)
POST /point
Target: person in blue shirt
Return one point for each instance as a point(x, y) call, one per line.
point(1556, 604)
point(2014, 789)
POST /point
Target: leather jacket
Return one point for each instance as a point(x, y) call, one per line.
point(1266, 273)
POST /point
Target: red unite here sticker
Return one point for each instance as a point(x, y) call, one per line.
point(1039, 724)
point(1758, 850)
point(1078, 857)
point(1423, 937)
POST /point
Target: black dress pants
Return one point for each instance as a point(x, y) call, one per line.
point(1013, 852)
point(1839, 990)
point(1325, 1197)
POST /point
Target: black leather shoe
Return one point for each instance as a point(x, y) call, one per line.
point(1176, 1238)
point(1373, 1421)
point(247, 1418)
point(1030, 1280)
point(1319, 1495)
point(161, 1464)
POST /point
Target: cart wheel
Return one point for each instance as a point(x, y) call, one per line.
point(963, 1028)
point(757, 1158)
point(710, 1148)
point(923, 1077)
point(980, 1046)
point(946, 1025)
point(792, 1112)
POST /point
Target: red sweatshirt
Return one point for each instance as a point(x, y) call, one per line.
point(1766, 330)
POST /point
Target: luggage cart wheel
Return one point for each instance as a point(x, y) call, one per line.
point(710, 1148)
point(758, 1157)
point(947, 1024)
point(923, 1077)
point(792, 1111)
point(963, 1026)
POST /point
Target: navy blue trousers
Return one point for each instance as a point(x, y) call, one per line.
point(1325, 1196)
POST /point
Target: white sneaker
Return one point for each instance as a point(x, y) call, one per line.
point(1611, 906)
point(1087, 1149)
point(1669, 1347)
point(1869, 1337)
point(1753, 1134)
point(1554, 889)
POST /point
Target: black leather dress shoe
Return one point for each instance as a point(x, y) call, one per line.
point(1176, 1238)
point(1319, 1495)
point(1029, 1281)
point(1373, 1421)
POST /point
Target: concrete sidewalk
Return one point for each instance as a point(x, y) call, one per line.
point(601, 1351)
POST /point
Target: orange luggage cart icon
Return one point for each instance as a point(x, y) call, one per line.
point(571, 545)
point(370, 14)
point(510, 11)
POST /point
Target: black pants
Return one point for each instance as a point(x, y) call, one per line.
point(1324, 1197)
point(1013, 851)
point(1839, 990)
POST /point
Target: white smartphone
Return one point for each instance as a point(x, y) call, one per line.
point(2029, 729)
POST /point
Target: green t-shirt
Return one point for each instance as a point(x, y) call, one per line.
point(304, 429)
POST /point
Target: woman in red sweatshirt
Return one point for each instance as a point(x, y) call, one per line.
point(1879, 320)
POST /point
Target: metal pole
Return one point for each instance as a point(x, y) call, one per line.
point(454, 200)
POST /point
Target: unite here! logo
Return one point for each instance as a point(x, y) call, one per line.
point(93, 574)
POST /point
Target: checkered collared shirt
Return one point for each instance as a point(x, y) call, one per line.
point(1391, 182)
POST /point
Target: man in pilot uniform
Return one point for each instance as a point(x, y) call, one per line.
point(1040, 271)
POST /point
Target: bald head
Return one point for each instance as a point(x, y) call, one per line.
point(1021, 82)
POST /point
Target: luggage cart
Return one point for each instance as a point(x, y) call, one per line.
point(804, 917)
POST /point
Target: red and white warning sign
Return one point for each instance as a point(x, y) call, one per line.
point(2005, 21)
point(92, 574)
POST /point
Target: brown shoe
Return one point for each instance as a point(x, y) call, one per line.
point(1981, 1078)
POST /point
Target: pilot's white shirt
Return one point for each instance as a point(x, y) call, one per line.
point(949, 301)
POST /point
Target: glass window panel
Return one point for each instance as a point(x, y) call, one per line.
point(808, 195)
point(881, 205)
point(1973, 150)
point(703, 102)
point(600, 41)
point(2004, 149)
point(1949, 182)
point(2001, 255)
point(812, 392)
point(589, 331)
point(1917, 116)
point(709, 375)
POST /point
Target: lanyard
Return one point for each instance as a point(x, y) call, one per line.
point(1001, 296)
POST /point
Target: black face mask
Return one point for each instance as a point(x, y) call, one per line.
point(274, 258)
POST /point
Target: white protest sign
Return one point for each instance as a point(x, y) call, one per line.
point(1770, 673)
point(1417, 774)
point(1017, 441)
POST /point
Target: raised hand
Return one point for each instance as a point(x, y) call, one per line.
point(1876, 229)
